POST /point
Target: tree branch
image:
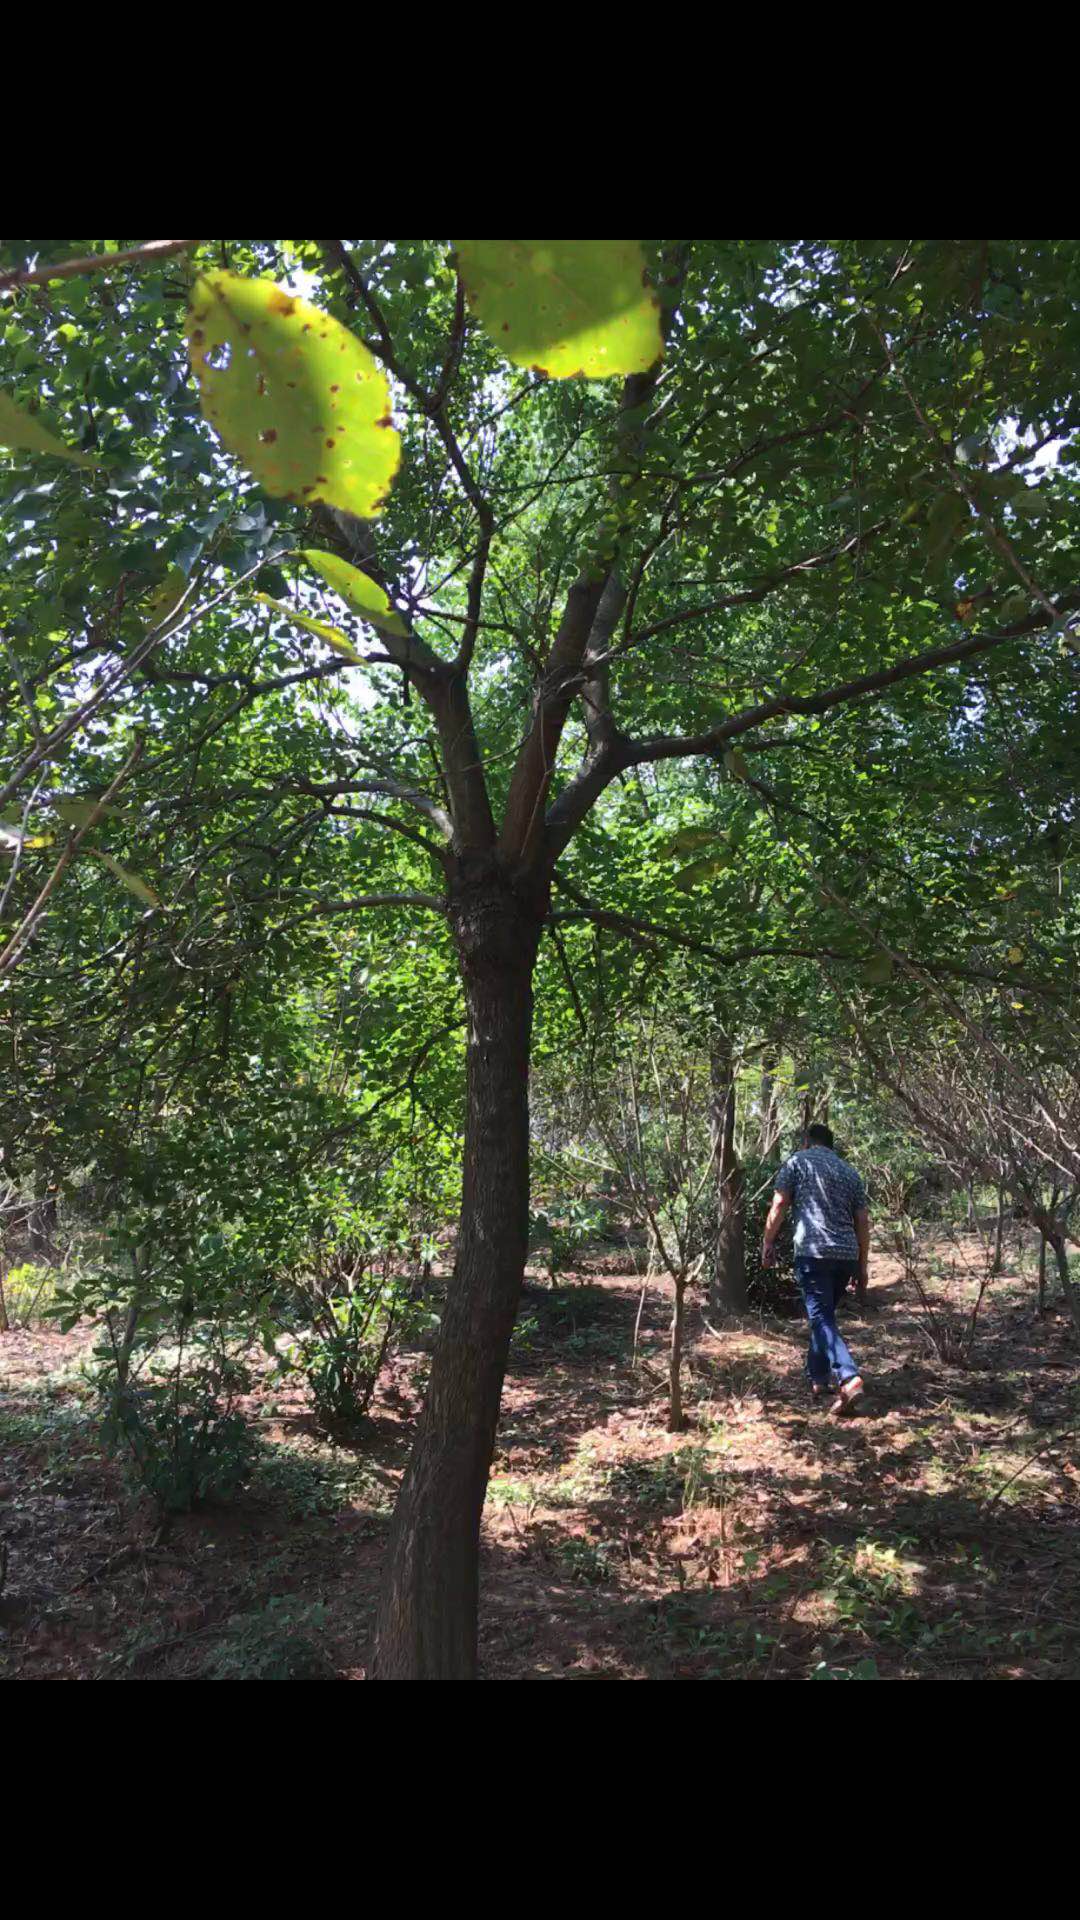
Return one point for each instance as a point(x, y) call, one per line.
point(92, 263)
point(663, 747)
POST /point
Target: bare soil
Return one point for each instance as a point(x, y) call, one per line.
point(934, 1536)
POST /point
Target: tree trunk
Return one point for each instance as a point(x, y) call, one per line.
point(41, 1221)
point(676, 1417)
point(1042, 1271)
point(126, 1347)
point(1072, 1298)
point(999, 1232)
point(427, 1621)
point(768, 1115)
point(728, 1290)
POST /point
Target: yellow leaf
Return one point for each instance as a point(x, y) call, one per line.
point(321, 628)
point(25, 431)
point(296, 396)
point(564, 307)
point(129, 880)
point(357, 589)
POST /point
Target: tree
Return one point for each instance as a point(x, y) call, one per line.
point(819, 502)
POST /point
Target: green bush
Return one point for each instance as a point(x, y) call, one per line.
point(28, 1292)
point(565, 1237)
point(183, 1440)
point(276, 1642)
point(768, 1289)
point(355, 1302)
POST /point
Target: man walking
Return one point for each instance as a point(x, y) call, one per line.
point(832, 1246)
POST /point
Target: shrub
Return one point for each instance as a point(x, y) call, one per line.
point(564, 1238)
point(276, 1642)
point(183, 1438)
point(354, 1302)
point(768, 1289)
point(26, 1294)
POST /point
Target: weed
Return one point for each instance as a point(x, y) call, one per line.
point(279, 1641)
point(592, 1563)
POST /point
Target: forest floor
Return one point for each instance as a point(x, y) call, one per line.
point(934, 1536)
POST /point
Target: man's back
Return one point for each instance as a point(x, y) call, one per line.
point(825, 1193)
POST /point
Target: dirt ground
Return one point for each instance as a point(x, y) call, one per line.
point(936, 1536)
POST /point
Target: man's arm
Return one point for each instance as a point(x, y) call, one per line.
point(780, 1204)
point(862, 1234)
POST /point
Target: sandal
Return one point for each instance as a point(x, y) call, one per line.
point(851, 1391)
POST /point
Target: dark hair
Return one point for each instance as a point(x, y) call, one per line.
point(819, 1135)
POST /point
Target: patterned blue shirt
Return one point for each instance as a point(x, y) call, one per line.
point(825, 1195)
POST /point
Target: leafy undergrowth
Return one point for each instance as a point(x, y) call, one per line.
point(935, 1536)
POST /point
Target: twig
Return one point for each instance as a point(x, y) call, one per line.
point(91, 263)
point(1052, 1442)
point(16, 945)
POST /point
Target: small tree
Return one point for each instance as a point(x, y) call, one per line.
point(654, 1124)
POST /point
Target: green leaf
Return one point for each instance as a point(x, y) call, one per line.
point(878, 970)
point(564, 307)
point(692, 876)
point(947, 516)
point(165, 597)
point(689, 839)
point(320, 628)
point(974, 447)
point(25, 431)
point(357, 589)
point(77, 812)
point(1029, 503)
point(129, 880)
point(292, 393)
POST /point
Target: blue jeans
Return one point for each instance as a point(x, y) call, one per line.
point(822, 1284)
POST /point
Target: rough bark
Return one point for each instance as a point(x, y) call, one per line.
point(427, 1622)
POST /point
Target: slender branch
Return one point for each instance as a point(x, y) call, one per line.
point(750, 596)
point(173, 623)
point(390, 789)
point(430, 900)
point(92, 263)
point(387, 820)
point(524, 836)
point(16, 945)
point(662, 747)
